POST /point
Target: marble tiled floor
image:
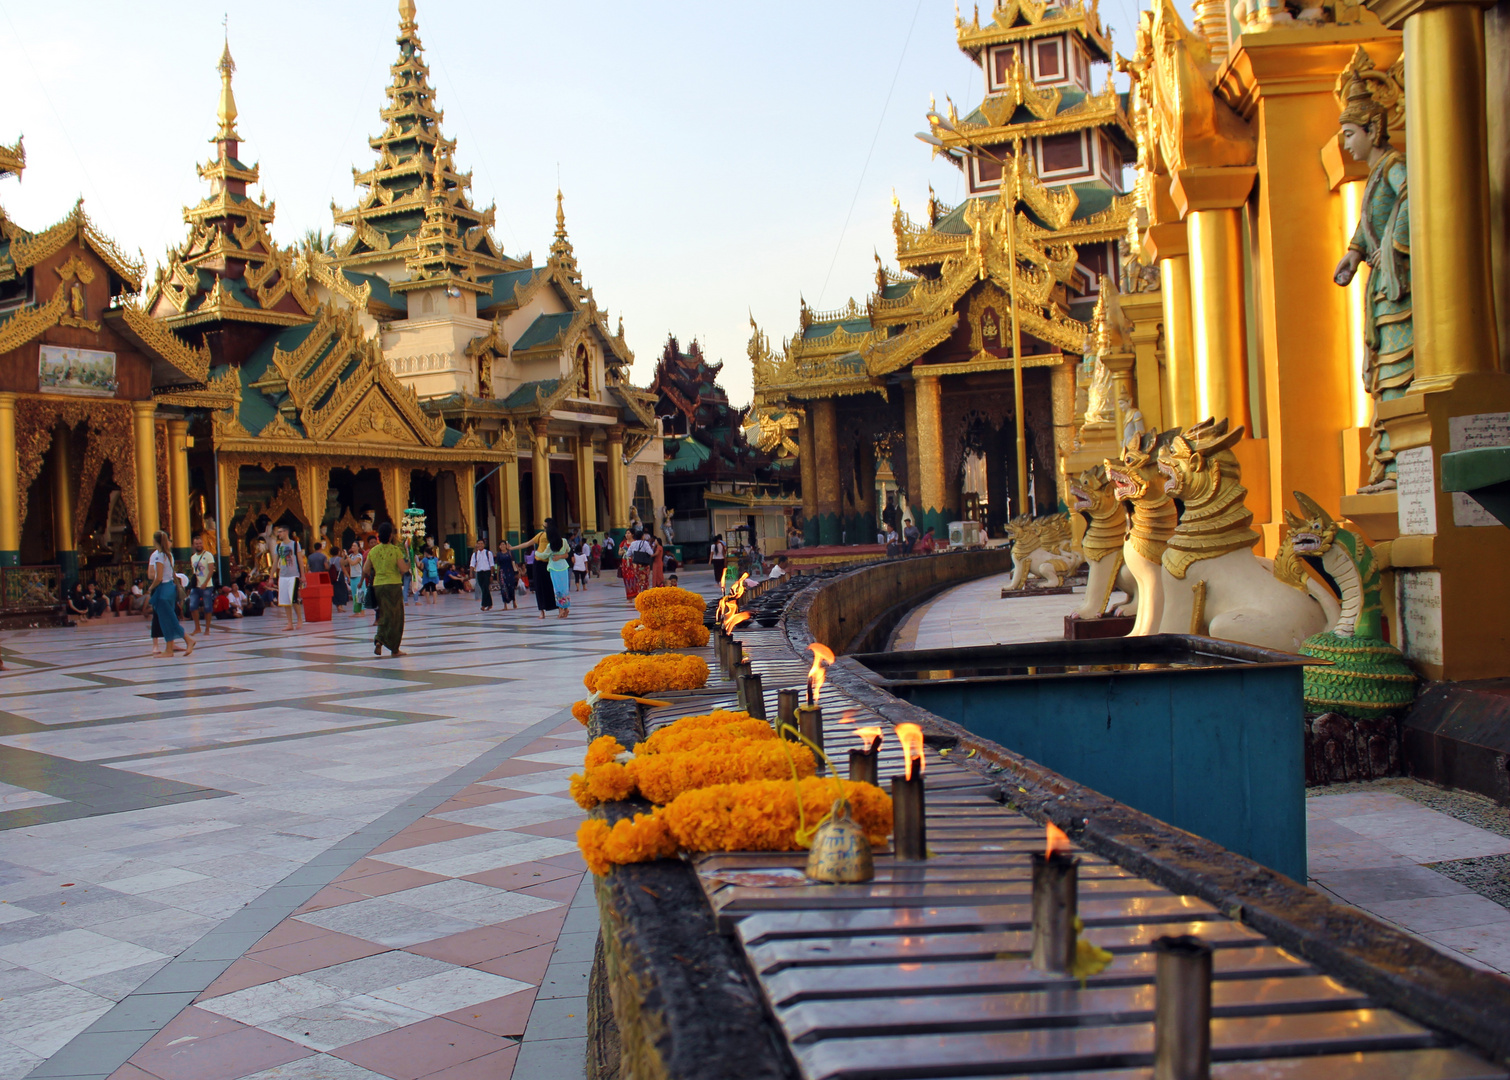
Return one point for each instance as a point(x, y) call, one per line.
point(1377, 847)
point(153, 813)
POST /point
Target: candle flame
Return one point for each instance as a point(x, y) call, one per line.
point(722, 611)
point(734, 619)
point(1054, 840)
point(739, 587)
point(911, 738)
point(871, 737)
point(822, 657)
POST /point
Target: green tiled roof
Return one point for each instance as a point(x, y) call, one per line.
point(544, 329)
point(525, 395)
point(380, 290)
point(819, 331)
point(689, 456)
point(503, 285)
point(899, 290)
point(1095, 196)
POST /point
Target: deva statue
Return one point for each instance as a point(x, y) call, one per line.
point(1382, 240)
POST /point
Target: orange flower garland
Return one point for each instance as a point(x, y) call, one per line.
point(691, 732)
point(759, 815)
point(641, 638)
point(653, 600)
point(669, 618)
point(582, 711)
point(662, 777)
point(626, 673)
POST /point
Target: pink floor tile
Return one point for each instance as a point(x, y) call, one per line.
point(286, 933)
point(193, 1023)
point(498, 1065)
point(527, 966)
point(392, 881)
point(572, 860)
point(521, 768)
point(489, 795)
point(422, 1049)
point(129, 1071)
point(474, 946)
point(518, 877)
point(501, 1016)
point(363, 868)
point(545, 923)
point(330, 896)
point(243, 973)
point(562, 889)
point(420, 833)
point(567, 826)
point(224, 1057)
point(323, 951)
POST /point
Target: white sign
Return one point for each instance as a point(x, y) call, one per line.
point(1471, 433)
point(1419, 601)
point(1415, 474)
point(65, 370)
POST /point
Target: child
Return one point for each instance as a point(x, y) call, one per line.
point(579, 568)
point(508, 580)
point(431, 566)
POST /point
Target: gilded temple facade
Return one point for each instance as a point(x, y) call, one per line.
point(958, 372)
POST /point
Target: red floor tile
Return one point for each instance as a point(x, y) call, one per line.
point(327, 949)
point(517, 877)
point(498, 1065)
point(527, 966)
point(560, 827)
point(243, 973)
point(501, 1016)
point(193, 1023)
point(422, 1049)
point(546, 746)
point(129, 1071)
point(330, 896)
point(392, 881)
point(489, 795)
point(224, 1057)
point(545, 923)
point(415, 836)
point(521, 768)
point(286, 933)
point(474, 946)
point(363, 868)
point(571, 860)
point(562, 889)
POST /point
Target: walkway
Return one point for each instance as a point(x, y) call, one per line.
point(1434, 863)
point(284, 857)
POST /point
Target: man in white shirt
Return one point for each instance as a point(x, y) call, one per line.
point(201, 586)
point(483, 563)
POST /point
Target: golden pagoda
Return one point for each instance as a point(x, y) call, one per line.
point(963, 363)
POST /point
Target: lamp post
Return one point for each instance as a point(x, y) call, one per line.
point(1009, 196)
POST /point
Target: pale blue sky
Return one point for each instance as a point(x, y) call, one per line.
point(709, 152)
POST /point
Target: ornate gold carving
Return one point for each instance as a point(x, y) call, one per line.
point(279, 428)
point(193, 362)
point(76, 227)
point(29, 322)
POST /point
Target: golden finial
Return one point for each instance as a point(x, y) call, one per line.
point(560, 217)
point(406, 15)
point(226, 113)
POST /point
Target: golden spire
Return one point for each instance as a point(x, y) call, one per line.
point(560, 217)
point(227, 111)
point(406, 15)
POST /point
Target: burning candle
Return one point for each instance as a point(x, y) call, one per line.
point(908, 809)
point(1055, 899)
point(816, 676)
point(862, 762)
point(810, 726)
point(1182, 1008)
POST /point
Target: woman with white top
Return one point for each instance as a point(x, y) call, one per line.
point(163, 584)
point(639, 557)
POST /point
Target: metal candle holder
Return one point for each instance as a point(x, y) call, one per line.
point(786, 712)
point(721, 647)
point(742, 668)
point(862, 763)
point(1182, 1009)
point(909, 833)
point(810, 724)
point(1055, 889)
point(752, 692)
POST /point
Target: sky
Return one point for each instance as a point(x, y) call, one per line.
point(717, 160)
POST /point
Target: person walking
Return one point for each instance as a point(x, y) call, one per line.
point(288, 557)
point(386, 567)
point(658, 567)
point(482, 565)
point(595, 559)
point(718, 556)
point(508, 579)
point(552, 582)
point(637, 557)
point(579, 567)
point(340, 579)
point(429, 575)
point(201, 586)
point(163, 584)
point(356, 564)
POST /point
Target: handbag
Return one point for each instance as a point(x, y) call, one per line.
point(640, 557)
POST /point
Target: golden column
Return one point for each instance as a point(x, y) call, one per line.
point(1146, 311)
point(826, 465)
point(934, 500)
point(178, 487)
point(10, 503)
point(1211, 201)
point(587, 488)
point(865, 494)
point(144, 428)
point(618, 481)
point(65, 549)
point(541, 460)
point(910, 437)
point(466, 496)
point(807, 461)
point(1165, 242)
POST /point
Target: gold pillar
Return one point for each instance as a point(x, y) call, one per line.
point(618, 480)
point(826, 464)
point(178, 486)
point(865, 491)
point(910, 441)
point(1146, 310)
point(807, 461)
point(63, 542)
point(935, 500)
point(1447, 166)
point(227, 481)
point(10, 498)
point(1179, 340)
point(1062, 401)
point(587, 488)
point(396, 480)
point(145, 431)
point(541, 460)
point(466, 494)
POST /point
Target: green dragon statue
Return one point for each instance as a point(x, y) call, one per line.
point(1367, 676)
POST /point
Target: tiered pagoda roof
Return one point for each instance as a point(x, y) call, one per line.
point(415, 207)
point(229, 269)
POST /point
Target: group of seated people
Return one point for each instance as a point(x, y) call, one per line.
point(235, 601)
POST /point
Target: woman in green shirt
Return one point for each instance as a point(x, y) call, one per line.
point(386, 567)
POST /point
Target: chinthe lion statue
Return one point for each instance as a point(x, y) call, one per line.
point(1042, 549)
point(1094, 497)
point(1212, 582)
point(1140, 485)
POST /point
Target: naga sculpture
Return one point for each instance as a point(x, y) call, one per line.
point(1042, 548)
point(1140, 483)
point(1367, 675)
point(1212, 582)
point(1094, 497)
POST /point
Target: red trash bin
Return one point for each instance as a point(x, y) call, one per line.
point(316, 595)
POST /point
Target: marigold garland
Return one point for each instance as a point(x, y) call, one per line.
point(628, 673)
point(582, 711)
point(691, 732)
point(641, 638)
point(671, 617)
point(759, 815)
point(660, 778)
point(667, 597)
